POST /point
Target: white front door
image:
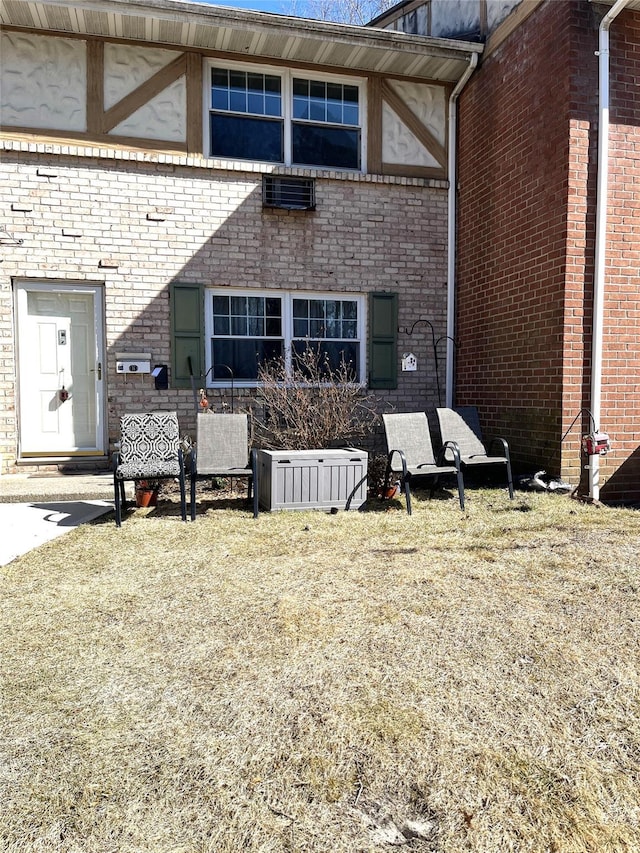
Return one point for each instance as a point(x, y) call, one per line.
point(60, 368)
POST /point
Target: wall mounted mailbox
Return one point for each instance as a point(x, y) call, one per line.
point(160, 374)
point(133, 362)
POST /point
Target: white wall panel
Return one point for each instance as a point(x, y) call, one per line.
point(44, 82)
point(163, 117)
point(399, 145)
point(428, 104)
point(126, 67)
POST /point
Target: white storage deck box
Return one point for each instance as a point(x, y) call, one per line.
point(312, 479)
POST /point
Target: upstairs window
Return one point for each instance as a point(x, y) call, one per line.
point(325, 124)
point(246, 115)
point(277, 116)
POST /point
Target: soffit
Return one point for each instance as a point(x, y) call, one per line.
point(216, 28)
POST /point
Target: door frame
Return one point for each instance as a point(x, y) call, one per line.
point(21, 288)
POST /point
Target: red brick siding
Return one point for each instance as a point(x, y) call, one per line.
point(513, 181)
point(527, 176)
point(621, 346)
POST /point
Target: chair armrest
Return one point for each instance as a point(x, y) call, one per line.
point(254, 482)
point(115, 459)
point(448, 450)
point(403, 461)
point(502, 444)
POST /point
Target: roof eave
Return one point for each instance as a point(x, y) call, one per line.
point(359, 49)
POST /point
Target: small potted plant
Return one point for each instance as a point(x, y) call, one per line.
point(147, 493)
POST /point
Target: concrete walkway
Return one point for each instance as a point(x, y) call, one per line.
point(35, 508)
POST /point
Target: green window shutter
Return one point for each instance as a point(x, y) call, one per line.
point(383, 340)
point(187, 332)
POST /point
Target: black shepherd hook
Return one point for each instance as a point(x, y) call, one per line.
point(210, 371)
point(231, 373)
point(417, 323)
point(434, 346)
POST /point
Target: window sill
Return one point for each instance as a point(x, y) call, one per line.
point(241, 384)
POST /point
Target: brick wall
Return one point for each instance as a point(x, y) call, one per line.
point(368, 233)
point(528, 143)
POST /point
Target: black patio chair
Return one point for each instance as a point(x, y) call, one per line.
point(149, 450)
point(222, 450)
point(410, 454)
point(463, 427)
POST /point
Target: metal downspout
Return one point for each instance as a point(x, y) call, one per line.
point(601, 235)
point(451, 229)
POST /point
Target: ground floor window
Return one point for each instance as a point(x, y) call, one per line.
point(245, 329)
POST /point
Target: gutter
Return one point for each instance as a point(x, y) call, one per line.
point(600, 235)
point(451, 227)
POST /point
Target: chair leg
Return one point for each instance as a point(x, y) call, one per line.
point(252, 493)
point(407, 494)
point(183, 498)
point(192, 497)
point(256, 507)
point(460, 489)
point(116, 502)
point(509, 479)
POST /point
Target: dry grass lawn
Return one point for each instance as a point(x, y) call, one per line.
point(307, 682)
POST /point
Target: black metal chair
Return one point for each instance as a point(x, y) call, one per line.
point(410, 454)
point(149, 450)
point(222, 450)
point(463, 427)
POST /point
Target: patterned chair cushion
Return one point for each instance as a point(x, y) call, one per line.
point(149, 471)
point(149, 446)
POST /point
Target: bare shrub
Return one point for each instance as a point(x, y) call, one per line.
point(312, 403)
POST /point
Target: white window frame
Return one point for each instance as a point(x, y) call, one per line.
point(286, 297)
point(286, 75)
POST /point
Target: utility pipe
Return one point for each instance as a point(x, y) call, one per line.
point(601, 234)
point(451, 228)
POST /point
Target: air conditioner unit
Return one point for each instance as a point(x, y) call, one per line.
point(289, 193)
